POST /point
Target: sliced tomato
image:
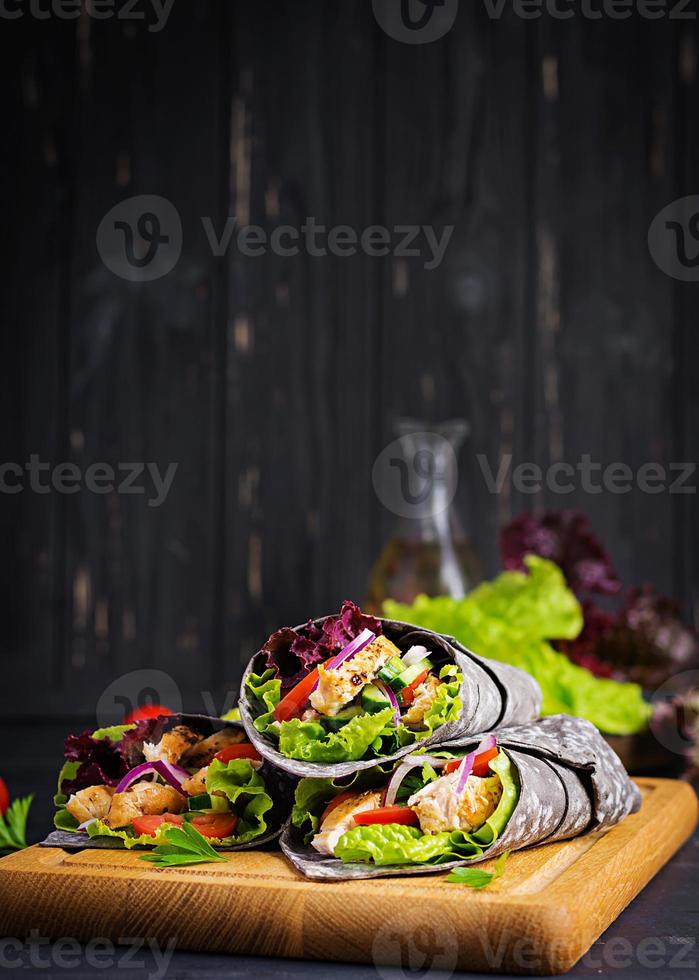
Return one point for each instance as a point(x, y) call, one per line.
point(387, 814)
point(242, 751)
point(295, 701)
point(215, 824)
point(147, 711)
point(336, 801)
point(480, 763)
point(4, 798)
point(149, 824)
point(407, 695)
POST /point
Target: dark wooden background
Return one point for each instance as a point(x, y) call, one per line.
point(274, 382)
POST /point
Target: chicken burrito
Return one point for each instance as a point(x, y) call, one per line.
point(126, 784)
point(463, 802)
point(348, 690)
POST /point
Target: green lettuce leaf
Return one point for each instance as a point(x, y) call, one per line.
point(238, 780)
point(513, 619)
point(384, 844)
point(388, 844)
point(264, 693)
point(363, 736)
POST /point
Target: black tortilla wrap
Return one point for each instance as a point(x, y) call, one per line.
point(492, 694)
point(278, 785)
point(570, 782)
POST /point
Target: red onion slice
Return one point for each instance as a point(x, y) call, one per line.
point(414, 655)
point(392, 698)
point(85, 824)
point(353, 647)
point(464, 770)
point(172, 774)
point(408, 763)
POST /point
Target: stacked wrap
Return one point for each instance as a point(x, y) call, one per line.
point(570, 782)
point(493, 695)
point(276, 784)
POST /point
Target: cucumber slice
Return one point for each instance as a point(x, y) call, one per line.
point(391, 669)
point(200, 802)
point(374, 699)
point(409, 674)
point(336, 722)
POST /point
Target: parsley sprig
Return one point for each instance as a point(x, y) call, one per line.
point(477, 878)
point(13, 826)
point(185, 846)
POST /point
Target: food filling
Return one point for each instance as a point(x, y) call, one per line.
point(345, 690)
point(211, 782)
point(432, 810)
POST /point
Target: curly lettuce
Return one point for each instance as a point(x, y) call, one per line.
point(390, 844)
point(513, 619)
point(364, 736)
point(239, 782)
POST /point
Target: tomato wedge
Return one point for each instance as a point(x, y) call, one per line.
point(242, 751)
point(149, 824)
point(387, 814)
point(147, 711)
point(336, 801)
point(407, 695)
point(4, 798)
point(293, 703)
point(215, 824)
point(480, 763)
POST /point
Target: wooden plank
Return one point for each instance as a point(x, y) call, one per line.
point(540, 917)
point(38, 82)
point(603, 346)
point(140, 578)
point(455, 152)
point(302, 332)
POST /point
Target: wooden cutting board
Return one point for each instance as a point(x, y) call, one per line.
point(540, 917)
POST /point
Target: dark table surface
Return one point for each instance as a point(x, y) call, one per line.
point(655, 936)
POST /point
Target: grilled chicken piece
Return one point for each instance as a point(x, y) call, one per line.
point(94, 801)
point(196, 784)
point(439, 808)
point(203, 752)
point(341, 819)
point(172, 745)
point(338, 687)
point(141, 799)
point(425, 696)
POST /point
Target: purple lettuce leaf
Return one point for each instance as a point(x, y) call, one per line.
point(103, 761)
point(566, 538)
point(292, 653)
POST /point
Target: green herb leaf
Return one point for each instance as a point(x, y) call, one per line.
point(185, 846)
point(13, 826)
point(475, 877)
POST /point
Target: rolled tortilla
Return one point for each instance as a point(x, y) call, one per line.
point(277, 784)
point(492, 695)
point(570, 783)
